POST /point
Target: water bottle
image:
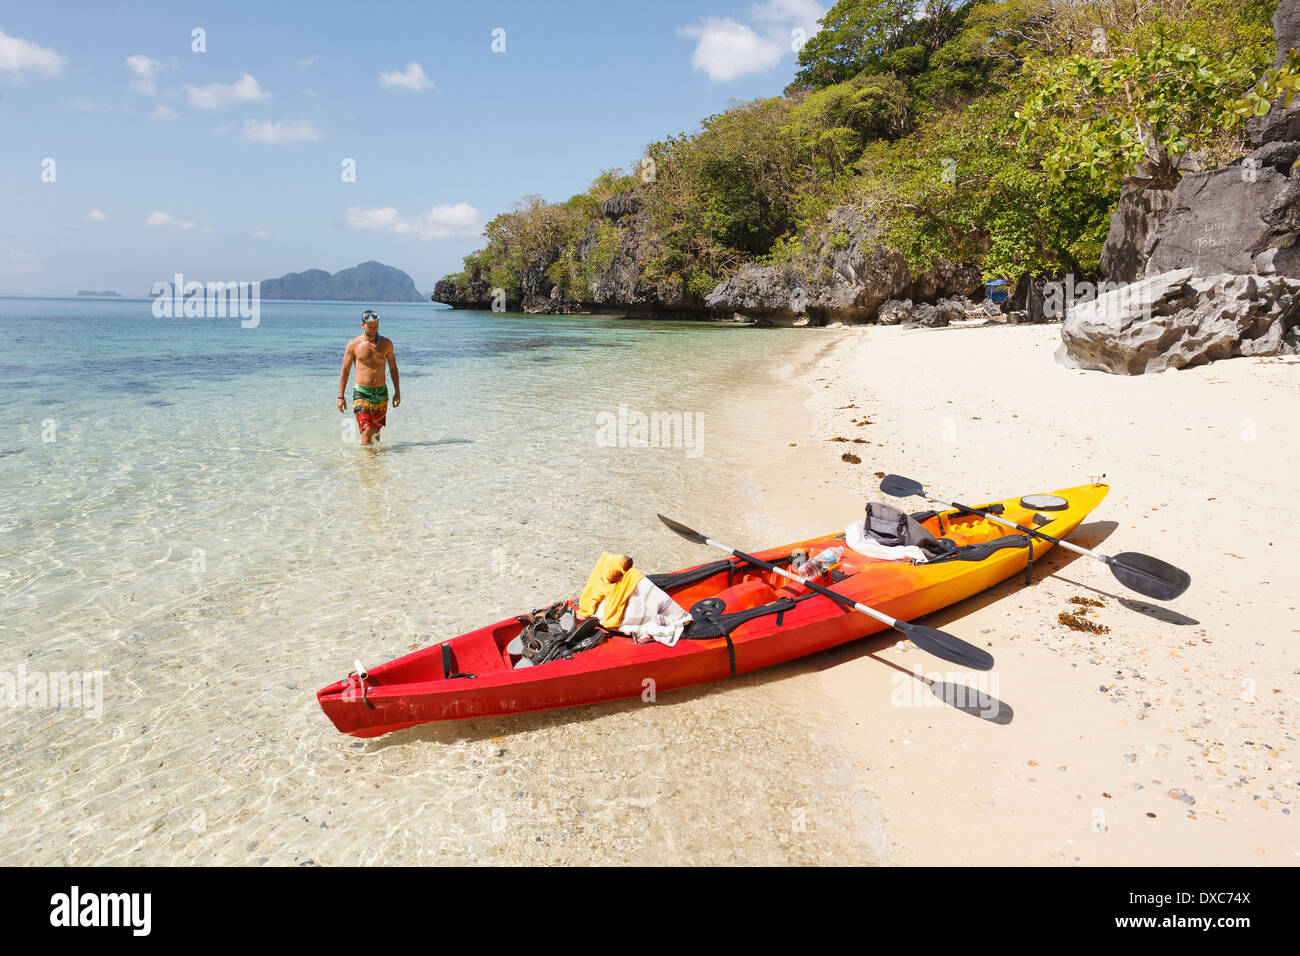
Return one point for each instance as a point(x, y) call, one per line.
point(822, 563)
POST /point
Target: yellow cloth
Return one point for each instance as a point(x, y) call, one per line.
point(612, 580)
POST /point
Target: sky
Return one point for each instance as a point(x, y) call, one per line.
point(133, 147)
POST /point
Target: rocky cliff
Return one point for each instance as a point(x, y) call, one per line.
point(614, 252)
point(847, 273)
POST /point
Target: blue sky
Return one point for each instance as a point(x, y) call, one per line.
point(226, 164)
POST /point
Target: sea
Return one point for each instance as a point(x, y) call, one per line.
point(192, 542)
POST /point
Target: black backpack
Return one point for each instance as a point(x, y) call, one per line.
point(894, 529)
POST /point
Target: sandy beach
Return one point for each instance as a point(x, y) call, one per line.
point(1170, 738)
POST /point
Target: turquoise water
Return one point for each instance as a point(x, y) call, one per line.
point(186, 514)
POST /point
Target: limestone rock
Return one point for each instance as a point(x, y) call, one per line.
point(1178, 320)
point(847, 276)
point(624, 204)
point(1280, 124)
point(1132, 228)
point(1221, 220)
point(895, 312)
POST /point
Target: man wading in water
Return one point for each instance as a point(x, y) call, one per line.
point(370, 351)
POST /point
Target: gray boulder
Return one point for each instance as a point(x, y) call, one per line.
point(1178, 320)
point(895, 312)
point(942, 313)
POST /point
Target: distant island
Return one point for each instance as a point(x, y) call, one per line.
point(106, 292)
point(369, 282)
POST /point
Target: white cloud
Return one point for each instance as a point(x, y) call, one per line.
point(86, 105)
point(412, 78)
point(18, 55)
point(306, 62)
point(161, 112)
point(259, 234)
point(460, 220)
point(726, 49)
point(280, 131)
point(216, 95)
point(22, 261)
point(95, 215)
point(145, 71)
point(161, 220)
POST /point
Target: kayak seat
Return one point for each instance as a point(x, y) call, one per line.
point(472, 657)
point(747, 594)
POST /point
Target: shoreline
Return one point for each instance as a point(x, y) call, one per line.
point(1170, 739)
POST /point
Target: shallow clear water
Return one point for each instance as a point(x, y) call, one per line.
point(185, 512)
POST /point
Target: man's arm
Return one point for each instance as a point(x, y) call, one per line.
point(392, 367)
point(343, 376)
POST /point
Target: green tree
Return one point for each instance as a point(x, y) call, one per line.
point(837, 122)
point(1126, 116)
point(876, 36)
point(855, 36)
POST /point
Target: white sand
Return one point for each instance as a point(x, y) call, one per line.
point(1205, 472)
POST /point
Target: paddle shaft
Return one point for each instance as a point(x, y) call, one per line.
point(833, 595)
point(1019, 527)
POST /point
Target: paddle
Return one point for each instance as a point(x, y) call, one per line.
point(1138, 572)
point(929, 639)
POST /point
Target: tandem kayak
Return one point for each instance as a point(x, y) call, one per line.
point(768, 620)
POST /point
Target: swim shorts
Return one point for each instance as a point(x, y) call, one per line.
point(370, 405)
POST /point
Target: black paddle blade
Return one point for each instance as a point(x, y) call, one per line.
point(947, 647)
point(1150, 576)
point(684, 531)
point(896, 486)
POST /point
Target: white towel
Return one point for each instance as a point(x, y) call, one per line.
point(856, 537)
point(651, 615)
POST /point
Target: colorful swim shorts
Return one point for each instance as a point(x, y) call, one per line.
point(370, 405)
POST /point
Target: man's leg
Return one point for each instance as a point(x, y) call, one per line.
point(365, 426)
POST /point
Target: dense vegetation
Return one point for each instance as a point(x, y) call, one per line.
point(996, 132)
